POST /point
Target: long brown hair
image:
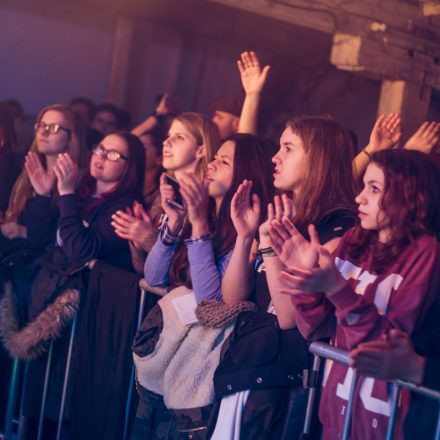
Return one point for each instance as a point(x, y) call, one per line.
point(328, 184)
point(206, 133)
point(22, 191)
point(251, 161)
point(410, 202)
point(130, 184)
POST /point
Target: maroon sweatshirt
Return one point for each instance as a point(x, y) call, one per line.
point(366, 308)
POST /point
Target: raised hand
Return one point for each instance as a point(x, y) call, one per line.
point(245, 210)
point(310, 267)
point(195, 195)
point(130, 227)
point(252, 77)
point(13, 230)
point(386, 133)
point(282, 207)
point(175, 215)
point(292, 248)
point(167, 105)
point(42, 180)
point(67, 174)
point(425, 139)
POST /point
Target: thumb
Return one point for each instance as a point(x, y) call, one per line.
point(256, 204)
point(314, 238)
point(265, 72)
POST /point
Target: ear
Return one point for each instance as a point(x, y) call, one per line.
point(235, 123)
point(200, 153)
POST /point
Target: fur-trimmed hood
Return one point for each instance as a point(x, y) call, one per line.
point(32, 340)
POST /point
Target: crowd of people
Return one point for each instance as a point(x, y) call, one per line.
point(253, 249)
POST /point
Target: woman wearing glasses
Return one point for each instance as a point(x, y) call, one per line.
point(113, 182)
point(58, 130)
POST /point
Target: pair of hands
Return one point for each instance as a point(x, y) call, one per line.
point(136, 225)
point(64, 172)
point(387, 132)
point(133, 224)
point(308, 266)
point(196, 202)
point(392, 357)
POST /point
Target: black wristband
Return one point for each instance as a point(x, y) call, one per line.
point(266, 252)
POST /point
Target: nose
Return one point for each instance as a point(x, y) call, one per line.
point(276, 159)
point(167, 142)
point(212, 165)
point(360, 198)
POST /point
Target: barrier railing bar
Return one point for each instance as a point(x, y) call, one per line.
point(12, 398)
point(347, 420)
point(45, 389)
point(437, 429)
point(311, 400)
point(131, 385)
point(394, 409)
point(341, 356)
point(22, 423)
point(66, 378)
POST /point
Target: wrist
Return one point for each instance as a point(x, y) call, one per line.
point(265, 241)
point(174, 226)
point(244, 240)
point(199, 228)
point(66, 191)
point(335, 285)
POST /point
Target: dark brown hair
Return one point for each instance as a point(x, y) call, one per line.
point(132, 178)
point(251, 161)
point(410, 202)
point(328, 184)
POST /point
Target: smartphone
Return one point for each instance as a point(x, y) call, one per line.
point(178, 200)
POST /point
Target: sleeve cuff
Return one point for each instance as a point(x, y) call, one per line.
point(68, 205)
point(199, 251)
point(343, 298)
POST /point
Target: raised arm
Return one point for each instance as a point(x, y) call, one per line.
point(253, 79)
point(159, 258)
point(385, 134)
point(245, 214)
point(166, 106)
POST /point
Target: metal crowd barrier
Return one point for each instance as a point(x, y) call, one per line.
point(326, 351)
point(17, 373)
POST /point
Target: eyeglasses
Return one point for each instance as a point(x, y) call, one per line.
point(51, 128)
point(111, 155)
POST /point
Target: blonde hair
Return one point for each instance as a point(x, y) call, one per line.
point(23, 191)
point(206, 133)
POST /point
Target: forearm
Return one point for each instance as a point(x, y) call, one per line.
point(284, 308)
point(236, 280)
point(249, 114)
point(361, 161)
point(206, 276)
point(148, 124)
point(158, 263)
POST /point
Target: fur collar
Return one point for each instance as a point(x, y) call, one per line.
point(32, 340)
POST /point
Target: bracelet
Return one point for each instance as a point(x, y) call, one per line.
point(266, 252)
point(199, 239)
point(366, 152)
